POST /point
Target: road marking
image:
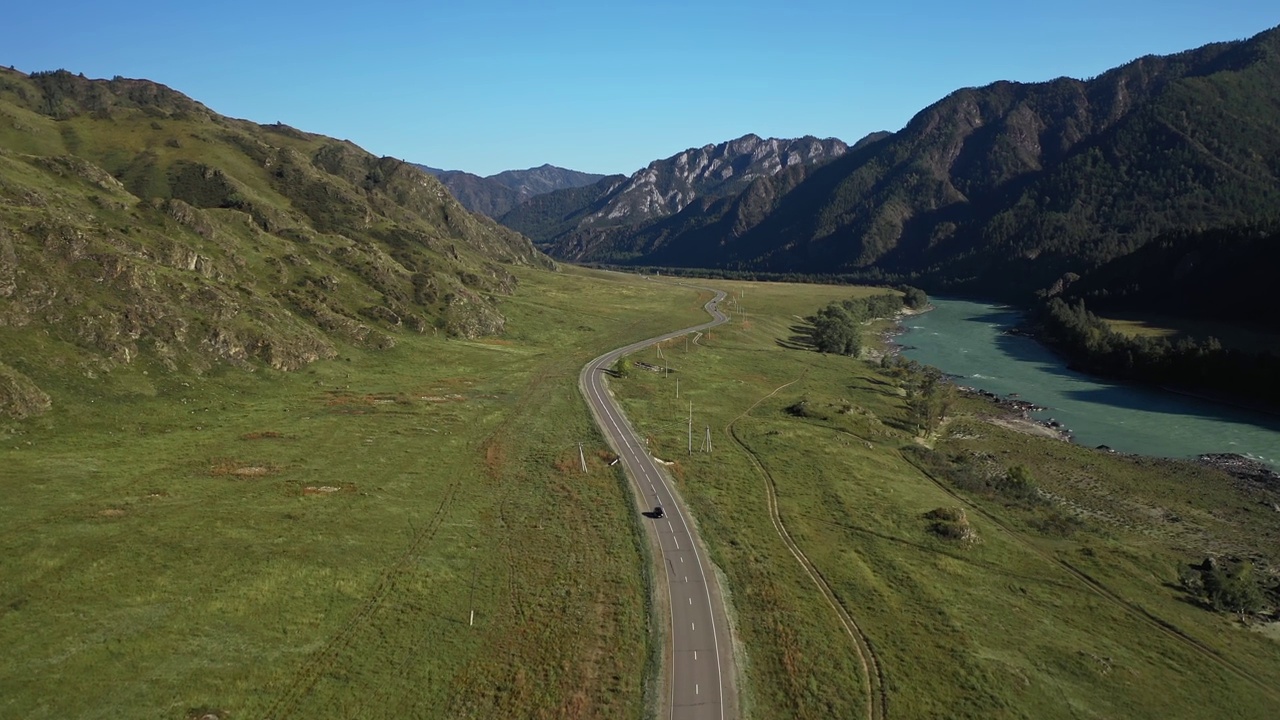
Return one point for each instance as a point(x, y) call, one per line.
point(690, 601)
point(695, 689)
point(695, 654)
point(677, 543)
point(646, 469)
point(693, 626)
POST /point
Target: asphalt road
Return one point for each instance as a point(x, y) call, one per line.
point(700, 656)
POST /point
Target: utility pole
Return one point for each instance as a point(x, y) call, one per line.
point(582, 458)
point(472, 600)
point(690, 427)
point(677, 388)
point(707, 441)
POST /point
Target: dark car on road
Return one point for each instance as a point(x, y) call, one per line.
point(659, 512)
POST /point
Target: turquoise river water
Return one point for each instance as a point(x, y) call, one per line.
point(967, 339)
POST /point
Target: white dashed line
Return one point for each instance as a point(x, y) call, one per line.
point(643, 469)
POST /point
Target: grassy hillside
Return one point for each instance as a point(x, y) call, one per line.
point(136, 222)
point(964, 601)
point(311, 544)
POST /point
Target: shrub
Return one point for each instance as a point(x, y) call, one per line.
point(951, 523)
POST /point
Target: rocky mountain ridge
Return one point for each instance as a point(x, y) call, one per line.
point(999, 190)
point(571, 222)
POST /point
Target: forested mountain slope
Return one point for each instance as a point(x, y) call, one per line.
point(999, 190)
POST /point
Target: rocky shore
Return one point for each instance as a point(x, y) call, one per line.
point(889, 345)
point(1243, 468)
point(1017, 414)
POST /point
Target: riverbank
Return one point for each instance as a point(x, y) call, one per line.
point(1243, 468)
point(889, 345)
point(1015, 414)
point(970, 342)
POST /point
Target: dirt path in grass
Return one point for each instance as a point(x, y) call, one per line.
point(872, 672)
point(1154, 621)
point(305, 679)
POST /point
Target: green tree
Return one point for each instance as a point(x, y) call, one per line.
point(835, 331)
point(929, 399)
point(914, 297)
point(620, 368)
point(1232, 588)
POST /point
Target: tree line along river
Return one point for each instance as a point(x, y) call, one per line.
point(968, 340)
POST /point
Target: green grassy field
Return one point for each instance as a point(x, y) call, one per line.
point(1065, 608)
point(311, 544)
point(1243, 338)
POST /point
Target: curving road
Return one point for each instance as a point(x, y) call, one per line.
point(700, 658)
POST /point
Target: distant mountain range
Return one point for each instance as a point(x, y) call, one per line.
point(496, 195)
point(620, 218)
point(994, 191)
point(139, 226)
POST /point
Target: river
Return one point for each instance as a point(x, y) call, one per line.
point(967, 339)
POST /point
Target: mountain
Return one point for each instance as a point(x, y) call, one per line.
point(621, 218)
point(1210, 290)
point(1221, 275)
point(542, 179)
point(137, 225)
point(496, 195)
point(1001, 189)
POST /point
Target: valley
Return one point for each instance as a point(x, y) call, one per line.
point(267, 544)
point(1062, 604)
point(289, 429)
point(278, 545)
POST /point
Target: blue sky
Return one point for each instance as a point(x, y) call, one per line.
point(597, 86)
